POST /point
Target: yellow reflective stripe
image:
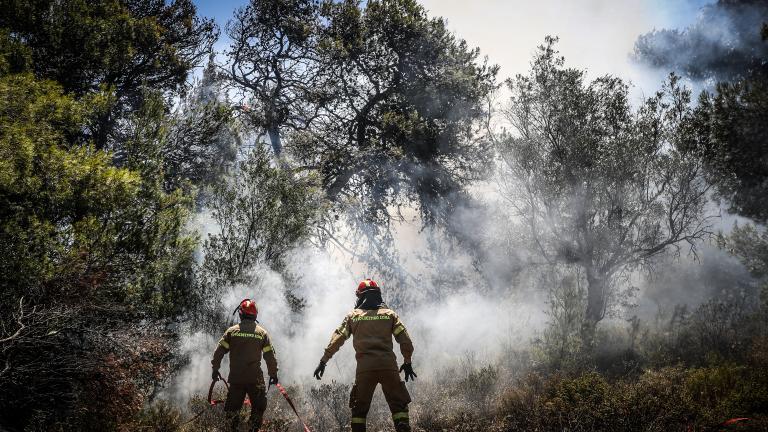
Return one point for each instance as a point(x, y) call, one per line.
point(399, 329)
point(267, 349)
point(400, 415)
point(224, 343)
point(247, 335)
point(358, 420)
point(371, 318)
point(343, 330)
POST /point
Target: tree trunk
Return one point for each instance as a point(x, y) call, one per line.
point(596, 296)
point(274, 140)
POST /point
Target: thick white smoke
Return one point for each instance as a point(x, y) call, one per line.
point(445, 328)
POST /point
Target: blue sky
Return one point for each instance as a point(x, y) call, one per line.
point(597, 35)
point(221, 10)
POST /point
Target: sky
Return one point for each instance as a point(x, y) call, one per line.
point(597, 35)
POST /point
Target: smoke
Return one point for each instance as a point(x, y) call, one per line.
point(445, 326)
point(724, 43)
point(713, 274)
point(462, 303)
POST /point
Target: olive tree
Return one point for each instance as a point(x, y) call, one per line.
point(273, 65)
point(263, 211)
point(594, 183)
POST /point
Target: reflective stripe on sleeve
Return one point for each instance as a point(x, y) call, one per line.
point(399, 329)
point(343, 330)
point(403, 415)
point(224, 343)
point(267, 349)
point(358, 420)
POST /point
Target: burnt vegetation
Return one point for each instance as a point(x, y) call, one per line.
point(331, 123)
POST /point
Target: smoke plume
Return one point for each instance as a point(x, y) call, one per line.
point(724, 43)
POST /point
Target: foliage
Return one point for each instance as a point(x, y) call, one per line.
point(263, 212)
point(597, 185)
point(391, 96)
point(330, 403)
point(730, 120)
point(560, 344)
point(202, 138)
point(722, 44)
point(274, 64)
point(112, 45)
point(88, 247)
point(408, 94)
point(732, 134)
point(658, 400)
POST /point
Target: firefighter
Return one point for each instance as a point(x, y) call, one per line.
point(372, 325)
point(246, 343)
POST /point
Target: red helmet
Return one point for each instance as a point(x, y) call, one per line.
point(248, 308)
point(366, 285)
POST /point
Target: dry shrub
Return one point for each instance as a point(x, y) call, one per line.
point(669, 399)
point(330, 406)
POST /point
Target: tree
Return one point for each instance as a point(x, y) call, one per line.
point(726, 44)
point(723, 43)
point(90, 250)
point(733, 134)
point(119, 46)
point(274, 66)
point(381, 101)
point(408, 95)
point(95, 200)
point(203, 137)
point(263, 212)
point(595, 184)
point(391, 96)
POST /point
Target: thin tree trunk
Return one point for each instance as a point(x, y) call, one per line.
point(596, 285)
point(274, 140)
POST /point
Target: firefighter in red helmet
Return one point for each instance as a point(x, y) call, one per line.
point(372, 326)
point(246, 344)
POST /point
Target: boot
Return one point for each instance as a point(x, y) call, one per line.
point(255, 424)
point(402, 426)
point(233, 418)
point(358, 427)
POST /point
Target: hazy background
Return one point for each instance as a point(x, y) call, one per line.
point(596, 35)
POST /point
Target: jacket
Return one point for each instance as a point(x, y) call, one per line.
point(372, 332)
point(246, 343)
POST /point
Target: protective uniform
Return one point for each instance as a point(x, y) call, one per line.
point(372, 328)
point(246, 343)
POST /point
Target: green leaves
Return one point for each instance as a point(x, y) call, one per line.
point(58, 196)
point(597, 184)
point(263, 212)
point(107, 45)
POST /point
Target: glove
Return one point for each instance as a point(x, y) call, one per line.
point(273, 380)
point(320, 370)
point(215, 375)
point(409, 373)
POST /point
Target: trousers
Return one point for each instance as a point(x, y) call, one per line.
point(395, 393)
point(235, 399)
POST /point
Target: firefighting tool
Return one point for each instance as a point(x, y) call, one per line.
point(293, 407)
point(213, 402)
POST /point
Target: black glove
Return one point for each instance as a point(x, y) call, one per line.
point(409, 373)
point(273, 380)
point(215, 375)
point(320, 370)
